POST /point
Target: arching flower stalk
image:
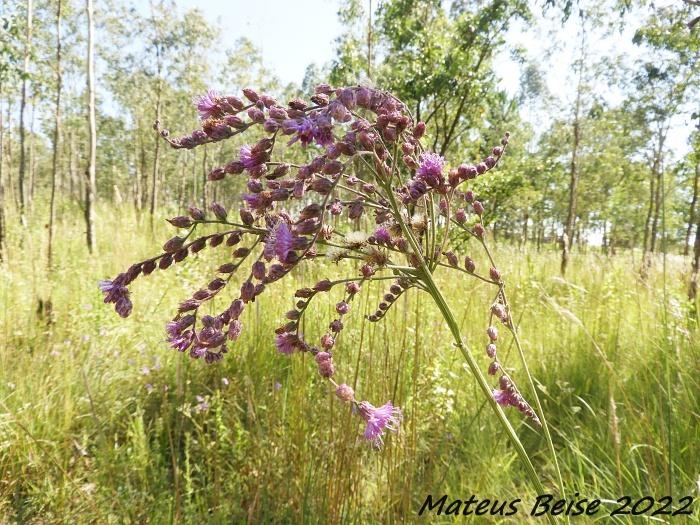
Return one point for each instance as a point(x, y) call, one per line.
point(369, 192)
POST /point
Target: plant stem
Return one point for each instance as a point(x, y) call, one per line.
point(449, 317)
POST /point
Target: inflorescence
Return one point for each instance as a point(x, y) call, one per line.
point(370, 193)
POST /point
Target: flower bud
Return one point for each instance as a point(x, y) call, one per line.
point(494, 367)
point(342, 308)
point(492, 332)
point(323, 286)
point(345, 392)
point(479, 230)
point(173, 244)
point(181, 221)
point(218, 210)
point(196, 213)
point(246, 217)
point(491, 350)
point(419, 130)
point(495, 274)
point(478, 208)
point(327, 341)
point(469, 264)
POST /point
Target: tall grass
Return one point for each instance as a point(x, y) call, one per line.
point(100, 422)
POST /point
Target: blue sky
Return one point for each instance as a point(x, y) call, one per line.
point(290, 34)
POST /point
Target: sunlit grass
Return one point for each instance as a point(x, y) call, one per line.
point(101, 422)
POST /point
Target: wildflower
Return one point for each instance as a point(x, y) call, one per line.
point(287, 342)
point(342, 307)
point(118, 294)
point(279, 242)
point(430, 169)
point(207, 104)
point(386, 417)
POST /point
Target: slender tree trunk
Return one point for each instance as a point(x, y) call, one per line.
point(22, 108)
point(56, 137)
point(693, 211)
point(695, 275)
point(568, 238)
point(3, 235)
point(31, 141)
point(90, 178)
point(156, 159)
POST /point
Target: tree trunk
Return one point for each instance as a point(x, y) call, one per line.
point(692, 212)
point(22, 108)
point(56, 138)
point(2, 182)
point(695, 276)
point(90, 176)
point(568, 238)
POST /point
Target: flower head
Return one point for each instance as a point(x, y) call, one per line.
point(430, 169)
point(287, 342)
point(279, 242)
point(386, 417)
point(118, 294)
point(207, 104)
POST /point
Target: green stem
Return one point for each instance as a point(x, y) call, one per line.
point(449, 317)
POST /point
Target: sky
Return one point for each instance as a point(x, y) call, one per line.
point(291, 34)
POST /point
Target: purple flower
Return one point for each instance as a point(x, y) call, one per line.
point(182, 341)
point(503, 398)
point(118, 294)
point(386, 417)
point(279, 242)
point(287, 342)
point(430, 169)
point(382, 235)
point(207, 104)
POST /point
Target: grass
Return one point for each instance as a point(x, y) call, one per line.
point(100, 422)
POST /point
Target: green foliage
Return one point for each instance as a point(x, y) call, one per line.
point(101, 422)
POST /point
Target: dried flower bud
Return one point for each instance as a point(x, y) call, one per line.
point(251, 95)
point(494, 274)
point(492, 332)
point(196, 213)
point(452, 259)
point(469, 264)
point(460, 215)
point(469, 196)
point(181, 221)
point(419, 130)
point(258, 270)
point(342, 308)
point(165, 262)
point(478, 208)
point(494, 367)
point(148, 267)
point(304, 293)
point(173, 244)
point(215, 240)
point(323, 286)
point(219, 211)
point(479, 230)
point(327, 341)
point(227, 268)
point(345, 392)
point(246, 217)
point(216, 284)
point(247, 291)
point(491, 350)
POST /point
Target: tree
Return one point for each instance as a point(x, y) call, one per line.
point(92, 126)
